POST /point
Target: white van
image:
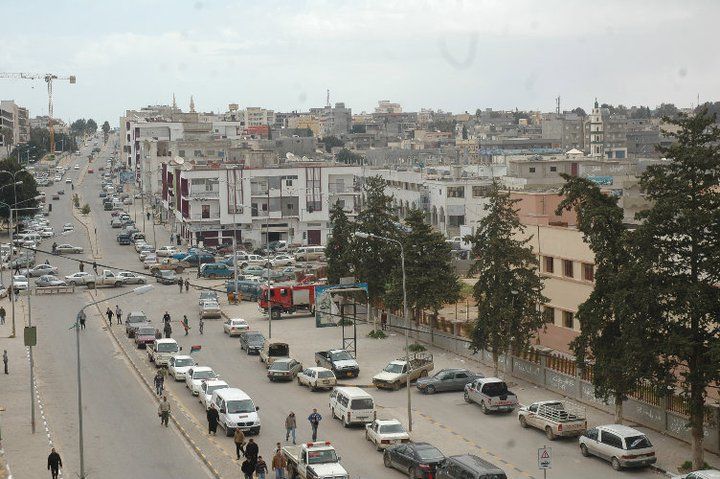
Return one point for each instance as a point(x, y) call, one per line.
point(352, 405)
point(236, 409)
point(310, 253)
point(160, 350)
point(622, 446)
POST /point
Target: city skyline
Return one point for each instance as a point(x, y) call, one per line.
point(456, 57)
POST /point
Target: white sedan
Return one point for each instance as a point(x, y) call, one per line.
point(78, 278)
point(166, 251)
point(282, 260)
point(235, 326)
point(129, 277)
point(317, 378)
point(207, 388)
point(178, 366)
point(20, 282)
point(384, 433)
point(68, 248)
point(195, 377)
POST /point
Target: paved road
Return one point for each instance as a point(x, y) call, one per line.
point(121, 415)
point(122, 435)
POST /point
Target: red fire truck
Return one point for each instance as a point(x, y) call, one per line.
point(288, 298)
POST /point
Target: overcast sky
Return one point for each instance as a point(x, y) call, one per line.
point(453, 55)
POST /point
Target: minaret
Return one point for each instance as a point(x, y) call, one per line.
point(597, 137)
point(174, 105)
point(192, 104)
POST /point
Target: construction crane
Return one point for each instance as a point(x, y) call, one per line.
point(49, 78)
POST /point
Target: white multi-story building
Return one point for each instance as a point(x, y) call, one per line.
point(288, 202)
point(17, 120)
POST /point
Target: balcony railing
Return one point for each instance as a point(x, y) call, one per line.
point(204, 194)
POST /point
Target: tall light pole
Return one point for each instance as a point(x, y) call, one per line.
point(363, 235)
point(81, 314)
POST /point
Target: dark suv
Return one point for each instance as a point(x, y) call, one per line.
point(468, 466)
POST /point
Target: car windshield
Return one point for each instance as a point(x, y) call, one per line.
point(393, 368)
point(361, 403)
point(209, 390)
point(167, 347)
point(279, 366)
point(325, 374)
point(239, 407)
point(340, 356)
point(279, 350)
point(637, 442)
point(429, 453)
point(136, 319)
point(146, 332)
point(391, 428)
point(322, 457)
point(204, 374)
point(183, 362)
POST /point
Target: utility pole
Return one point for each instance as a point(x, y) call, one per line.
point(32, 371)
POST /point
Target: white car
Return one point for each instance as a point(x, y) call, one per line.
point(195, 377)
point(178, 366)
point(384, 433)
point(317, 378)
point(20, 282)
point(150, 260)
point(76, 167)
point(704, 474)
point(68, 227)
point(129, 277)
point(166, 251)
point(235, 326)
point(139, 243)
point(68, 181)
point(210, 309)
point(207, 388)
point(47, 232)
point(68, 248)
point(78, 278)
point(282, 260)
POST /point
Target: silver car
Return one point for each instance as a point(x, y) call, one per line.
point(39, 270)
point(49, 280)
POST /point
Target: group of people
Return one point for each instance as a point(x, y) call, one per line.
point(118, 314)
point(185, 323)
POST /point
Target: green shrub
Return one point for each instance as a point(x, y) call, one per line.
point(85, 209)
point(377, 334)
point(416, 348)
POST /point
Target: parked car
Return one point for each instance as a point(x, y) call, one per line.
point(468, 466)
point(39, 270)
point(216, 270)
point(129, 277)
point(281, 260)
point(396, 373)
point(492, 394)
point(179, 365)
point(116, 223)
point(416, 459)
point(207, 388)
point(68, 249)
point(621, 445)
point(284, 369)
point(20, 282)
point(166, 276)
point(207, 294)
point(49, 280)
point(317, 378)
point(79, 278)
point(339, 361)
point(703, 474)
point(133, 321)
point(352, 405)
point(273, 351)
point(145, 334)
point(234, 326)
point(210, 309)
point(447, 380)
point(252, 342)
point(383, 433)
point(556, 418)
point(196, 375)
point(166, 251)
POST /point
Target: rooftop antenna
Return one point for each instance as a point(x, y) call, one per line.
point(327, 101)
point(557, 103)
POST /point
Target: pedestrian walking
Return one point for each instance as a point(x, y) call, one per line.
point(247, 469)
point(166, 317)
point(168, 330)
point(5, 361)
point(159, 381)
point(95, 267)
point(185, 324)
point(383, 321)
point(2, 315)
point(261, 468)
point(290, 426)
point(239, 439)
point(180, 283)
point(109, 314)
point(212, 418)
point(82, 266)
point(54, 463)
point(251, 451)
point(202, 325)
point(279, 463)
point(17, 268)
point(148, 215)
point(187, 285)
point(83, 317)
point(118, 314)
point(314, 419)
point(164, 411)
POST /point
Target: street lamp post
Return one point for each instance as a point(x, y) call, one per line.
point(361, 234)
point(139, 290)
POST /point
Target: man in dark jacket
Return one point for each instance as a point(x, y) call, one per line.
point(212, 417)
point(248, 468)
point(251, 451)
point(54, 463)
point(168, 330)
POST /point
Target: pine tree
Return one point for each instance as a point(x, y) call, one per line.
point(430, 277)
point(508, 289)
point(374, 260)
point(619, 328)
point(680, 240)
point(339, 249)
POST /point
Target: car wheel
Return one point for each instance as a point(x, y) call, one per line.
point(386, 460)
point(298, 381)
point(411, 473)
point(430, 389)
point(549, 433)
point(584, 450)
point(332, 413)
point(229, 432)
point(466, 397)
point(484, 408)
point(523, 422)
point(344, 421)
point(615, 463)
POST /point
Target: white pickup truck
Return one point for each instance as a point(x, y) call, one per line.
point(314, 460)
point(491, 394)
point(160, 350)
point(395, 374)
point(556, 418)
point(107, 279)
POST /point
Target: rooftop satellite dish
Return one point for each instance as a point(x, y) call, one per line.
point(289, 155)
point(305, 158)
point(179, 160)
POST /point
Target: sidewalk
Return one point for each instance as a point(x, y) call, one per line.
point(25, 453)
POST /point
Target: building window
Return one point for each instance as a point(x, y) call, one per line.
point(205, 211)
point(288, 182)
point(181, 153)
point(549, 314)
point(553, 168)
point(568, 268)
point(532, 169)
point(549, 264)
point(588, 272)
point(290, 206)
point(478, 191)
point(568, 319)
point(456, 192)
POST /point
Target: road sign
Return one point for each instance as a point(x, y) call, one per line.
point(545, 458)
point(30, 336)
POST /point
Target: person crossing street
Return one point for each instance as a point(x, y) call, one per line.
point(314, 419)
point(109, 314)
point(202, 325)
point(185, 324)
